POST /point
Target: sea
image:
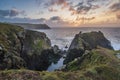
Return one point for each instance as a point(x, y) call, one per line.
point(64, 36)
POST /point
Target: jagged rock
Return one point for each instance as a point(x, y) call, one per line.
point(21, 48)
point(86, 41)
point(66, 47)
point(90, 40)
point(72, 54)
point(56, 49)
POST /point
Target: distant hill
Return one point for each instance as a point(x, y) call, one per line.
point(32, 26)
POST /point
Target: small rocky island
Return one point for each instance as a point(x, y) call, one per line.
point(26, 54)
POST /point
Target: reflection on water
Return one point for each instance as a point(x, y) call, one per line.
point(53, 66)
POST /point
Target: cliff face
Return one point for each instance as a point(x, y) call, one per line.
point(10, 46)
point(91, 40)
point(33, 50)
point(24, 48)
point(86, 41)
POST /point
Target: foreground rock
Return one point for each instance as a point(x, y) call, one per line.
point(21, 48)
point(86, 41)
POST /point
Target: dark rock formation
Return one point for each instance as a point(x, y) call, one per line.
point(90, 40)
point(86, 41)
point(56, 49)
point(32, 26)
point(33, 46)
point(24, 48)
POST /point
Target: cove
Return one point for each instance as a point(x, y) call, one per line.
point(58, 65)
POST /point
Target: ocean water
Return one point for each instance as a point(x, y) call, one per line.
point(64, 36)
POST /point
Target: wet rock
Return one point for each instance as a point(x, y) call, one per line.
point(56, 49)
point(72, 54)
point(66, 46)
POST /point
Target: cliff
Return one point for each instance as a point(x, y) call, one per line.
point(10, 46)
point(32, 26)
point(21, 48)
point(86, 41)
point(90, 40)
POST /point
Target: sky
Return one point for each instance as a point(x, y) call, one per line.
point(62, 13)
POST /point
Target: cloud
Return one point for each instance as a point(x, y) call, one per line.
point(83, 9)
point(23, 20)
point(62, 3)
point(11, 13)
point(42, 20)
point(85, 18)
point(58, 2)
point(115, 7)
point(52, 10)
point(85, 6)
point(4, 13)
point(118, 16)
point(55, 18)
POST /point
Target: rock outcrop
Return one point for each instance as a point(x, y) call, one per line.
point(86, 41)
point(24, 48)
point(90, 40)
point(11, 38)
point(33, 50)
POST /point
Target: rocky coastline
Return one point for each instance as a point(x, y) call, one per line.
point(26, 54)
